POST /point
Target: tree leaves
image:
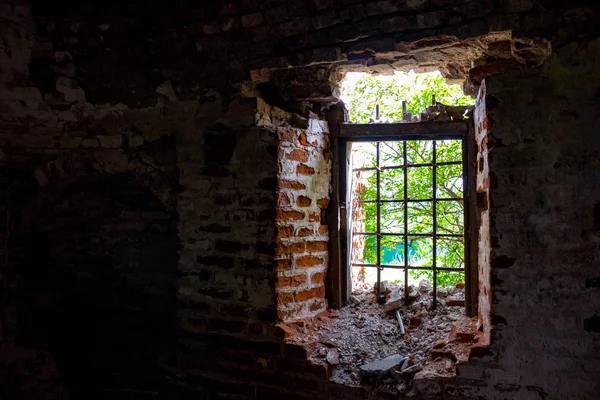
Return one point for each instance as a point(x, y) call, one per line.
point(388, 92)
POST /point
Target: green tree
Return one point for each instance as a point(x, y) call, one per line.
point(417, 91)
point(388, 92)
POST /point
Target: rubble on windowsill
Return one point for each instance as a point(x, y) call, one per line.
point(362, 333)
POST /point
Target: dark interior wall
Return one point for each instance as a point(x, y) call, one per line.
point(545, 253)
point(92, 88)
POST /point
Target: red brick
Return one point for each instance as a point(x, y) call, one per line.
point(415, 321)
point(303, 232)
point(308, 261)
point(298, 280)
point(312, 247)
point(323, 203)
point(283, 281)
point(316, 306)
point(297, 155)
point(283, 265)
point(284, 298)
point(283, 200)
point(289, 215)
point(314, 217)
point(304, 169)
point(287, 136)
point(303, 201)
point(318, 292)
point(285, 231)
point(284, 184)
point(323, 230)
point(303, 139)
point(441, 353)
point(290, 248)
point(318, 278)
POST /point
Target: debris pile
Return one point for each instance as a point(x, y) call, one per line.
point(365, 343)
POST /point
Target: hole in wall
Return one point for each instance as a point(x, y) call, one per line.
point(352, 336)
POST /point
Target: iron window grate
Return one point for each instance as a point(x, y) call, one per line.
point(404, 202)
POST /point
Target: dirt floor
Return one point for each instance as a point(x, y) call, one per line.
point(363, 332)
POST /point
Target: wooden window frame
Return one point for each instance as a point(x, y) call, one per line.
point(339, 282)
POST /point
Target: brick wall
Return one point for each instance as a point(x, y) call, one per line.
point(95, 87)
point(302, 235)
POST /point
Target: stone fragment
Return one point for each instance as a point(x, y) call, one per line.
point(412, 292)
point(394, 301)
point(384, 287)
point(379, 369)
point(442, 293)
point(333, 357)
point(460, 285)
point(424, 286)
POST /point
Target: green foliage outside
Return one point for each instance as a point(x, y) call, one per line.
point(450, 214)
point(389, 92)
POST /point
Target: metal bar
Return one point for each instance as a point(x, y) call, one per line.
point(466, 230)
point(472, 225)
point(409, 165)
point(400, 323)
point(439, 235)
point(379, 299)
point(414, 200)
point(405, 176)
point(431, 130)
point(434, 256)
point(424, 268)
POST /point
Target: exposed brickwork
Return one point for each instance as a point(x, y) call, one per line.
point(304, 159)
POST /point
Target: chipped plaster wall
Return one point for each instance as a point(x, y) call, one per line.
point(544, 239)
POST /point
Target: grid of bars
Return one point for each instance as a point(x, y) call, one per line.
point(405, 201)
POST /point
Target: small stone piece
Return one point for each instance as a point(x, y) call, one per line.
point(394, 301)
point(412, 292)
point(379, 369)
point(424, 286)
point(384, 286)
point(333, 357)
point(460, 285)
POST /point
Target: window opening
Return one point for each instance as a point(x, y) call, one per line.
point(408, 201)
point(404, 188)
point(402, 96)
